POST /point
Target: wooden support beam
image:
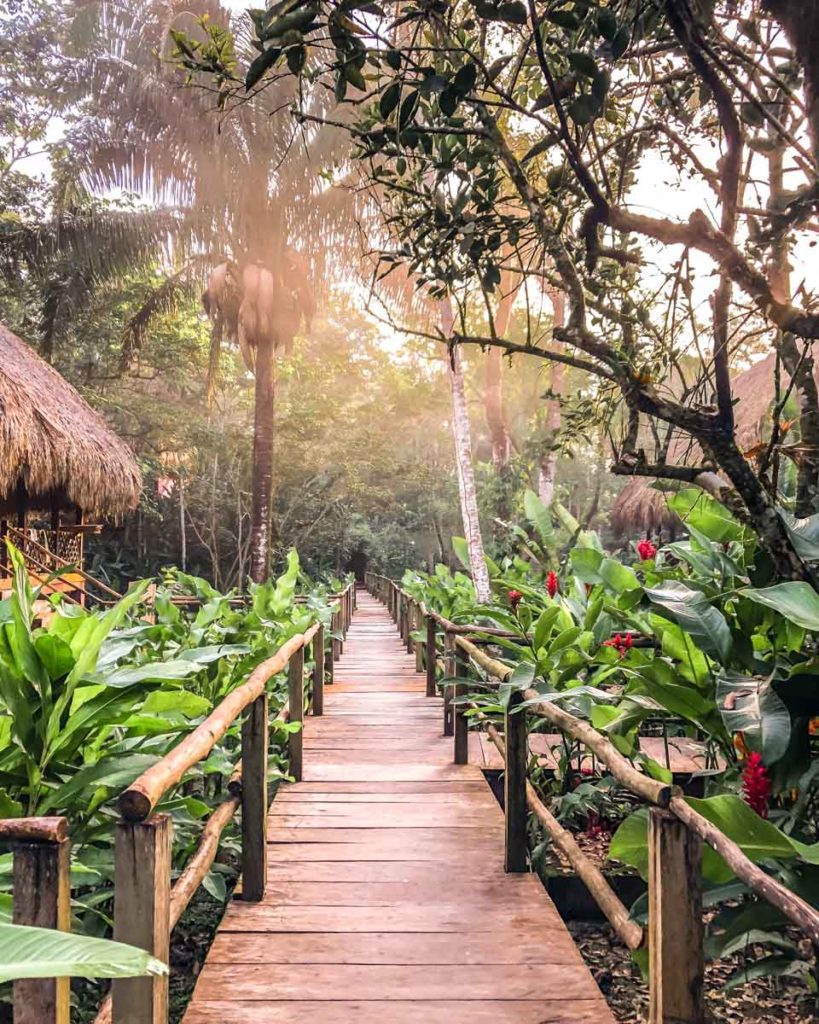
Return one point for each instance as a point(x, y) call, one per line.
point(42, 899)
point(514, 785)
point(295, 684)
point(450, 662)
point(335, 625)
point(675, 929)
point(255, 738)
point(419, 646)
point(431, 655)
point(410, 624)
point(142, 893)
point(460, 721)
point(318, 672)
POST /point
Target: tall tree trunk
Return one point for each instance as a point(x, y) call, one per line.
point(493, 395)
point(548, 463)
point(464, 467)
point(183, 532)
point(262, 462)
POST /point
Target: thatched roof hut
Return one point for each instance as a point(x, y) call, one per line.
point(641, 506)
point(55, 450)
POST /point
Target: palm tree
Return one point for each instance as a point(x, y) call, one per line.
point(245, 186)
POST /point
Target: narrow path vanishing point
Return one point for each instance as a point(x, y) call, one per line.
point(387, 900)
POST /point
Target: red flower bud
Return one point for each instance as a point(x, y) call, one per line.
point(756, 786)
point(551, 583)
point(645, 549)
point(515, 597)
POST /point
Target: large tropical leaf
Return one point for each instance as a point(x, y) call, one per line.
point(45, 953)
point(796, 600)
point(690, 609)
point(750, 705)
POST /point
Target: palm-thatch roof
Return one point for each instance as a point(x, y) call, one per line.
point(642, 506)
point(53, 444)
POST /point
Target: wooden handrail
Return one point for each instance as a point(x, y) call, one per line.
point(63, 563)
point(33, 830)
point(596, 882)
point(800, 913)
point(137, 802)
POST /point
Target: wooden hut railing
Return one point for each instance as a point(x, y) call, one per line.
point(146, 905)
point(675, 935)
point(43, 560)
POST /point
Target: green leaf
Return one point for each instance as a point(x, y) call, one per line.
point(750, 705)
point(152, 671)
point(586, 564)
point(583, 63)
point(465, 79)
point(690, 609)
point(759, 839)
point(706, 514)
point(260, 65)
point(514, 13)
point(389, 99)
point(46, 953)
point(540, 517)
point(796, 600)
point(563, 19)
point(459, 546)
point(583, 109)
point(617, 576)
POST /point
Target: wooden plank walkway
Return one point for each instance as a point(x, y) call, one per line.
point(387, 902)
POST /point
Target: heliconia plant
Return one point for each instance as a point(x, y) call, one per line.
point(695, 634)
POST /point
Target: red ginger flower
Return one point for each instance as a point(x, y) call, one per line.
point(645, 549)
point(756, 786)
point(621, 644)
point(515, 597)
point(551, 583)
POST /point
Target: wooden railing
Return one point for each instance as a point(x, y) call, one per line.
point(675, 936)
point(45, 565)
point(146, 905)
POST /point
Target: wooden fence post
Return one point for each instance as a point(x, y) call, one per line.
point(675, 929)
point(254, 800)
point(514, 785)
point(410, 624)
point(295, 685)
point(460, 721)
point(335, 625)
point(431, 656)
point(42, 899)
point(419, 647)
point(142, 892)
point(450, 662)
point(318, 671)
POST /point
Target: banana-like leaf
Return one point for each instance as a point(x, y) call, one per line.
point(44, 953)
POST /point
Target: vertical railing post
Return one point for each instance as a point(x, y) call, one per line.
point(335, 643)
point(675, 930)
point(42, 899)
point(410, 623)
point(514, 784)
point(450, 659)
point(318, 671)
point(254, 800)
point(431, 656)
point(142, 893)
point(419, 646)
point(295, 692)
point(459, 720)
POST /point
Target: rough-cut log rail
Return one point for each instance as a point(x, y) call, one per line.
point(386, 899)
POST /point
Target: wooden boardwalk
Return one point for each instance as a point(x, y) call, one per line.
point(387, 902)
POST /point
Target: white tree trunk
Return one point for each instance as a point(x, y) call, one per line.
point(548, 464)
point(463, 462)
